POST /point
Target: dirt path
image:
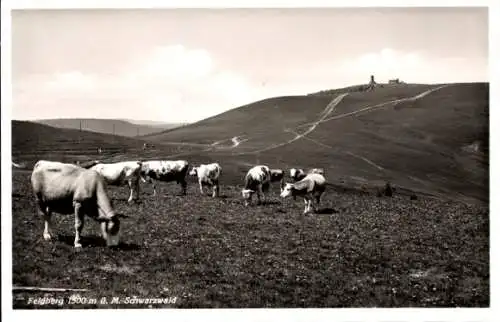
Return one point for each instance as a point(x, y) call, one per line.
point(328, 110)
point(373, 107)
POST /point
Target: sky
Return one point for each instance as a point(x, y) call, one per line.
point(184, 65)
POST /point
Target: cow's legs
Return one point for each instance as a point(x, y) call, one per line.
point(184, 186)
point(131, 187)
point(305, 206)
point(137, 189)
point(151, 181)
point(47, 213)
point(201, 187)
point(78, 223)
point(215, 190)
point(260, 195)
point(318, 199)
point(154, 187)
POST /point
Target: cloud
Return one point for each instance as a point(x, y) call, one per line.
point(73, 80)
point(169, 83)
point(413, 67)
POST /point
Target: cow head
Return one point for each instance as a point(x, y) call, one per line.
point(110, 229)
point(194, 171)
point(287, 190)
point(247, 195)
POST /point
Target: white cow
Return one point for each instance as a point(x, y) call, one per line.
point(120, 173)
point(257, 179)
point(208, 175)
point(67, 189)
point(311, 187)
point(166, 171)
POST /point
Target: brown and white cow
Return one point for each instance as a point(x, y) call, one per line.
point(208, 175)
point(69, 189)
point(311, 187)
point(166, 171)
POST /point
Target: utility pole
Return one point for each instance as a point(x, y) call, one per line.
point(113, 128)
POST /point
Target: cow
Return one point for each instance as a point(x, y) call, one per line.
point(278, 175)
point(311, 187)
point(69, 189)
point(166, 171)
point(257, 179)
point(299, 174)
point(208, 175)
point(120, 173)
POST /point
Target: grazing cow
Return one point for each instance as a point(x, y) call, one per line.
point(257, 179)
point(166, 171)
point(278, 175)
point(117, 174)
point(67, 189)
point(311, 187)
point(208, 175)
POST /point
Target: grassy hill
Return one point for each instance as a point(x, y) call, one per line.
point(434, 141)
point(33, 141)
point(109, 126)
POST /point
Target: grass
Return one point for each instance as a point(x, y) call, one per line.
point(363, 251)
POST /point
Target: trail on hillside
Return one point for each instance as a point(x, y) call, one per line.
point(373, 107)
point(328, 110)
